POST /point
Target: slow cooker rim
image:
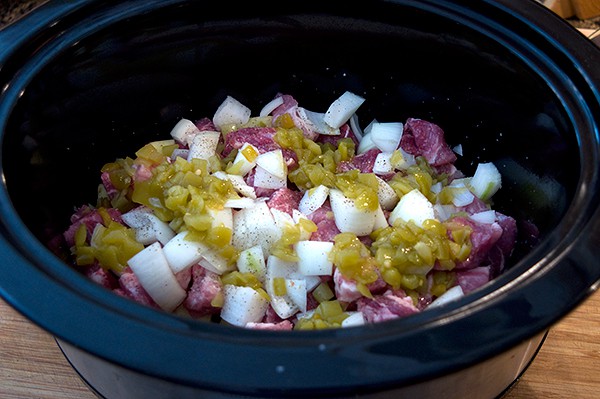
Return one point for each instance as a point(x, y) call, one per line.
point(135, 306)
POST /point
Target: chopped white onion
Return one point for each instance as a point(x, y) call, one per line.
point(383, 164)
point(458, 149)
point(252, 260)
point(386, 135)
point(452, 294)
point(242, 305)
point(273, 162)
point(366, 144)
point(413, 206)
point(316, 122)
point(406, 161)
point(240, 185)
point(239, 203)
point(386, 194)
point(486, 181)
point(147, 226)
point(296, 291)
point(348, 218)
point(462, 196)
point(154, 274)
point(342, 109)
point(313, 257)
point(355, 127)
point(241, 164)
point(204, 145)
point(231, 111)
point(255, 226)
point(278, 268)
point(444, 212)
point(271, 106)
point(221, 217)
point(486, 217)
point(182, 253)
point(184, 131)
point(354, 319)
point(264, 179)
point(214, 262)
point(313, 199)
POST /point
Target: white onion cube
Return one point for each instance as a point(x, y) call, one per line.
point(242, 305)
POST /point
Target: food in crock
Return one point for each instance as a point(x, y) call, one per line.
point(293, 219)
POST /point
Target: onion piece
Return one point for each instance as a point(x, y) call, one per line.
point(231, 112)
point(296, 292)
point(355, 127)
point(147, 226)
point(182, 253)
point(252, 260)
point(242, 305)
point(342, 109)
point(314, 257)
point(383, 163)
point(255, 226)
point(244, 160)
point(354, 319)
point(404, 161)
point(273, 162)
point(264, 179)
point(413, 206)
point(386, 194)
point(221, 217)
point(450, 295)
point(462, 196)
point(184, 131)
point(204, 145)
point(386, 135)
point(486, 181)
point(316, 122)
point(485, 217)
point(239, 203)
point(348, 218)
point(277, 268)
point(271, 106)
point(313, 199)
point(156, 277)
point(366, 144)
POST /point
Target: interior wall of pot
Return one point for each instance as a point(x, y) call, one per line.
point(123, 86)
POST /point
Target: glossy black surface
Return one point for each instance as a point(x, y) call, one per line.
point(87, 81)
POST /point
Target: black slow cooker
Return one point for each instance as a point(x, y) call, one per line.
point(86, 81)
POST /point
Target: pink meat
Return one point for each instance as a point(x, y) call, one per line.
point(426, 139)
point(391, 305)
point(483, 238)
point(205, 287)
point(259, 137)
point(289, 103)
point(363, 162)
point(472, 279)
point(89, 217)
point(346, 290)
point(345, 133)
point(101, 276)
point(326, 227)
point(131, 288)
point(285, 200)
point(206, 124)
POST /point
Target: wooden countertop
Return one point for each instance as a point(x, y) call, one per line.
point(567, 366)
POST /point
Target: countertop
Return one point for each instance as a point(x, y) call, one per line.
point(566, 366)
